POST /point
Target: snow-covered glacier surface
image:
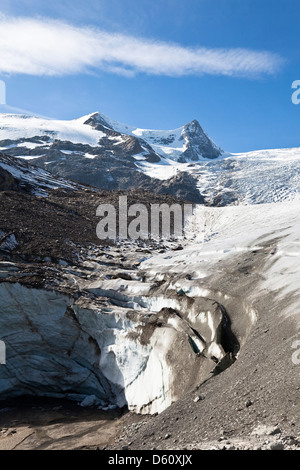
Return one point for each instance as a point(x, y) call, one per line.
point(16, 126)
point(258, 177)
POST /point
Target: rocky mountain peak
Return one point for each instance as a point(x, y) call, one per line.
point(193, 126)
point(97, 118)
point(198, 143)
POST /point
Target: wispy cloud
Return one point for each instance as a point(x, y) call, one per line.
point(48, 47)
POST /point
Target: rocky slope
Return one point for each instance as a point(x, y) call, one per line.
point(248, 260)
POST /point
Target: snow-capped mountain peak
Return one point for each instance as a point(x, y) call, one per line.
point(186, 143)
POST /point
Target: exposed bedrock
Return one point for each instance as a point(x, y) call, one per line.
point(113, 342)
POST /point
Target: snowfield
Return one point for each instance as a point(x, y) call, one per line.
point(247, 178)
point(16, 126)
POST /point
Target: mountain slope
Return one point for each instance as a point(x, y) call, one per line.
point(258, 177)
point(97, 151)
point(16, 174)
point(185, 162)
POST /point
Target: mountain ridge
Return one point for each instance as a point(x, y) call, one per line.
point(101, 152)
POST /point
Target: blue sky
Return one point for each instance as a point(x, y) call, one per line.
point(229, 64)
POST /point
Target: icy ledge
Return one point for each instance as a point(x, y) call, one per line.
point(95, 349)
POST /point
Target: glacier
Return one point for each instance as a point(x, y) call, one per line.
point(136, 324)
point(116, 340)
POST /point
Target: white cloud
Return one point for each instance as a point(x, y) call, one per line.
point(48, 47)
